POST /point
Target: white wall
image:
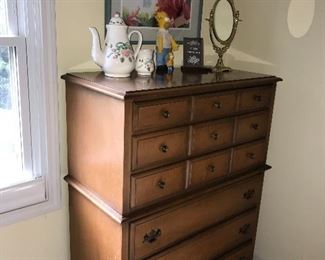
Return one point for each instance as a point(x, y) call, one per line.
point(292, 217)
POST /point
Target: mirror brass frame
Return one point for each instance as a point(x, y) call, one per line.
point(222, 45)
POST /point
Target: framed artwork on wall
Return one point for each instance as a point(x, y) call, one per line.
point(139, 14)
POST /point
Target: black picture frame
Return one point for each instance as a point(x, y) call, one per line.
point(149, 33)
point(193, 52)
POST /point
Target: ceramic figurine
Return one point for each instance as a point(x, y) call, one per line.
point(118, 59)
point(165, 43)
point(145, 64)
point(170, 62)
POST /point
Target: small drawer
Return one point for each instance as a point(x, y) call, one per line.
point(155, 185)
point(160, 114)
point(151, 234)
point(212, 136)
point(209, 167)
point(244, 252)
point(158, 148)
point(215, 241)
point(248, 156)
point(255, 98)
point(252, 126)
point(214, 106)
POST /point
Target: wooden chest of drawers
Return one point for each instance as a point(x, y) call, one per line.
point(168, 167)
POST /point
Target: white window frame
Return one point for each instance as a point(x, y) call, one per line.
point(34, 38)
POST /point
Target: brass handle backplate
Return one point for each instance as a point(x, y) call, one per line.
point(251, 156)
point(215, 136)
point(244, 229)
point(249, 194)
point(217, 105)
point(152, 236)
point(257, 98)
point(166, 114)
point(254, 126)
point(211, 168)
point(164, 148)
point(161, 184)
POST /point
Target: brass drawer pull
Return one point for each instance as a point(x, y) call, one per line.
point(166, 114)
point(249, 194)
point(215, 136)
point(152, 236)
point(244, 229)
point(161, 184)
point(251, 156)
point(254, 126)
point(211, 168)
point(217, 105)
point(257, 98)
point(164, 148)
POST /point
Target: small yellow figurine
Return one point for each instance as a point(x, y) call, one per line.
point(170, 62)
point(165, 43)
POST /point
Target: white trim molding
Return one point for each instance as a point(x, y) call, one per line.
point(36, 22)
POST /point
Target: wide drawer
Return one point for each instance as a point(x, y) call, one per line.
point(214, 106)
point(160, 114)
point(248, 156)
point(157, 184)
point(158, 148)
point(212, 136)
point(215, 241)
point(209, 167)
point(255, 98)
point(153, 233)
point(252, 126)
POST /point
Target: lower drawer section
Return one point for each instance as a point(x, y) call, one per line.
point(243, 252)
point(215, 241)
point(157, 232)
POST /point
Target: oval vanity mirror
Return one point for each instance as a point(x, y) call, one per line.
point(223, 23)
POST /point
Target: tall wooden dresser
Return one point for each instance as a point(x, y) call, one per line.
point(167, 167)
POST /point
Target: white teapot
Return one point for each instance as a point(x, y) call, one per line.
point(118, 59)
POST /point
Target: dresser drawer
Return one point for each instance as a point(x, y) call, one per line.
point(244, 252)
point(249, 155)
point(211, 136)
point(215, 241)
point(155, 185)
point(209, 167)
point(155, 149)
point(252, 126)
point(160, 114)
point(213, 106)
point(255, 98)
point(160, 230)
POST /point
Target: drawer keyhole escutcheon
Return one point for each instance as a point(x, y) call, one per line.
point(152, 236)
point(215, 136)
point(249, 194)
point(254, 126)
point(251, 156)
point(166, 114)
point(217, 105)
point(164, 148)
point(244, 229)
point(161, 184)
point(211, 168)
point(257, 98)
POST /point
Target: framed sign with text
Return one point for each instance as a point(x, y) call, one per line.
point(193, 52)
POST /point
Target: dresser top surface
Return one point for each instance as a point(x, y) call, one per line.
point(161, 84)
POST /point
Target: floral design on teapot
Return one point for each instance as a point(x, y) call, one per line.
point(122, 51)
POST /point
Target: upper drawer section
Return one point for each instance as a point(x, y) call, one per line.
point(213, 106)
point(255, 98)
point(161, 114)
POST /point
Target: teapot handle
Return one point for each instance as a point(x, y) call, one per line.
point(136, 52)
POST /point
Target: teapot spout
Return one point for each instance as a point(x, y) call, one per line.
point(96, 51)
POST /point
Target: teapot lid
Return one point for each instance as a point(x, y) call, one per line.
point(117, 20)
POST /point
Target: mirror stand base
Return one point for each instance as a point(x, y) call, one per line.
point(220, 67)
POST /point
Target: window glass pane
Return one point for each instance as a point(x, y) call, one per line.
point(3, 17)
point(11, 155)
